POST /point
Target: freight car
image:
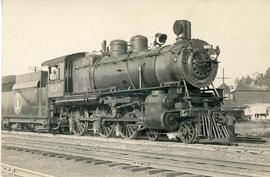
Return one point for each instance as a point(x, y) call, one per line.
point(127, 90)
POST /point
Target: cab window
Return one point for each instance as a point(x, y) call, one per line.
point(54, 73)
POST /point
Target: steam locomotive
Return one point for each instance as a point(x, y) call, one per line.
point(126, 90)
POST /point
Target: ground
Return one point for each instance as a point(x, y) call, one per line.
point(59, 167)
point(261, 129)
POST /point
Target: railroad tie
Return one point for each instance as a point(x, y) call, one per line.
point(48, 154)
point(136, 169)
point(190, 175)
point(90, 160)
point(15, 148)
point(172, 174)
point(114, 164)
point(80, 159)
point(126, 166)
point(154, 171)
point(101, 162)
point(35, 152)
point(69, 157)
point(7, 147)
point(45, 153)
point(52, 155)
point(60, 156)
point(96, 162)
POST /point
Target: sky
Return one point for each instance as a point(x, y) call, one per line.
point(37, 30)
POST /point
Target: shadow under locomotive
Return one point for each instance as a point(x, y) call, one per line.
point(126, 91)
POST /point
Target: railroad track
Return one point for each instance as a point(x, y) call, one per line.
point(10, 170)
point(138, 160)
point(262, 146)
point(252, 139)
point(129, 167)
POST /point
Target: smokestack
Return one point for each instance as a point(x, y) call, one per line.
point(182, 28)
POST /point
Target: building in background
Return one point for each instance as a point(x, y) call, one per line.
point(254, 103)
point(236, 110)
point(258, 111)
point(250, 96)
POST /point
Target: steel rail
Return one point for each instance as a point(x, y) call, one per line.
point(263, 147)
point(17, 171)
point(149, 160)
point(137, 162)
point(155, 155)
point(241, 147)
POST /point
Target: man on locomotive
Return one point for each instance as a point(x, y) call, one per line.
point(53, 75)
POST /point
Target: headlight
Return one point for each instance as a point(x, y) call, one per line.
point(212, 53)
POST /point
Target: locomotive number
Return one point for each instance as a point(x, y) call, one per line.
point(55, 88)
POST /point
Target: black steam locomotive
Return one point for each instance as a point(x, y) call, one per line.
point(125, 90)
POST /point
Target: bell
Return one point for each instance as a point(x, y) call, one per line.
point(160, 39)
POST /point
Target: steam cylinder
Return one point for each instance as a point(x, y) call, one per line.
point(156, 116)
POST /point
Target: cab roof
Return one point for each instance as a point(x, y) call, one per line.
point(56, 61)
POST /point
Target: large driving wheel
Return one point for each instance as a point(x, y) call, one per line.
point(106, 128)
point(78, 127)
point(187, 132)
point(128, 130)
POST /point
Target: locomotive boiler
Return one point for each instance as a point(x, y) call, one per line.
point(192, 60)
point(131, 90)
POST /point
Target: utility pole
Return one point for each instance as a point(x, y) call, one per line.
point(223, 77)
point(34, 68)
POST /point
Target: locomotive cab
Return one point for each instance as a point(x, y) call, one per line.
point(64, 75)
point(55, 77)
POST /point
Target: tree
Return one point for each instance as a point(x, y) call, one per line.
point(261, 80)
point(240, 83)
point(248, 81)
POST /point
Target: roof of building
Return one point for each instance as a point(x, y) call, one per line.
point(223, 86)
